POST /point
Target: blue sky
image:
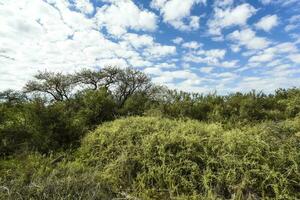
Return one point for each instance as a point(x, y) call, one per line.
point(190, 45)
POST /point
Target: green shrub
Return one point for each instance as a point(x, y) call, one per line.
point(158, 158)
point(38, 177)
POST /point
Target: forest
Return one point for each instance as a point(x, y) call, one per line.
point(113, 134)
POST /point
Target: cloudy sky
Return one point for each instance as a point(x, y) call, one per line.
point(191, 45)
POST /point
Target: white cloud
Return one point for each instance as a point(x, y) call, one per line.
point(290, 27)
point(229, 64)
point(178, 13)
point(206, 69)
point(279, 2)
point(63, 35)
point(266, 1)
point(295, 58)
point(293, 23)
point(266, 83)
point(248, 38)
point(277, 51)
point(213, 53)
point(235, 48)
point(84, 6)
point(122, 15)
point(157, 70)
point(158, 51)
point(192, 45)
point(167, 77)
point(138, 41)
point(166, 65)
point(147, 47)
point(286, 47)
point(178, 40)
point(226, 75)
point(113, 62)
point(223, 3)
point(153, 71)
point(211, 57)
point(262, 57)
point(38, 35)
point(227, 17)
point(139, 62)
point(267, 23)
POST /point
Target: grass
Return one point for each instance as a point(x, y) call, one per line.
point(158, 158)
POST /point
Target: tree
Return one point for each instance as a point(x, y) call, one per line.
point(89, 77)
point(110, 75)
point(57, 85)
point(130, 81)
point(96, 107)
point(97, 79)
point(11, 96)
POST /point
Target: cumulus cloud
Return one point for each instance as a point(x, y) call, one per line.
point(227, 17)
point(229, 64)
point(192, 45)
point(138, 41)
point(248, 38)
point(210, 57)
point(84, 6)
point(265, 1)
point(265, 57)
point(178, 13)
point(178, 40)
point(277, 51)
point(279, 2)
point(293, 23)
point(265, 83)
point(147, 45)
point(267, 23)
point(121, 15)
point(206, 69)
point(158, 51)
point(295, 58)
point(223, 3)
point(52, 35)
point(67, 35)
point(165, 77)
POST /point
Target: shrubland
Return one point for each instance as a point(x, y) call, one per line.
point(112, 134)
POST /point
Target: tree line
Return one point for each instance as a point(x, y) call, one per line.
point(55, 110)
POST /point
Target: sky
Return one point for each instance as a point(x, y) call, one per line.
point(190, 45)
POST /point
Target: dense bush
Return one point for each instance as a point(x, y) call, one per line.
point(157, 158)
point(33, 176)
point(54, 111)
point(186, 145)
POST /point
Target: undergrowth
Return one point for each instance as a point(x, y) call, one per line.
point(158, 158)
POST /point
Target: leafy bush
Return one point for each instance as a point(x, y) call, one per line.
point(34, 176)
point(194, 146)
point(158, 158)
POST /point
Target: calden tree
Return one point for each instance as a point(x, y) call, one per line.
point(57, 85)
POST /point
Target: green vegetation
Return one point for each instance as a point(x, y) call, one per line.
point(112, 134)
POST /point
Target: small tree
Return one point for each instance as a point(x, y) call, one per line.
point(57, 85)
point(11, 96)
point(98, 79)
point(89, 77)
point(110, 74)
point(130, 81)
